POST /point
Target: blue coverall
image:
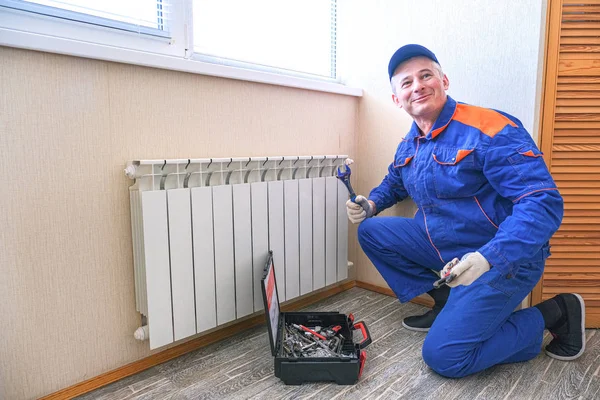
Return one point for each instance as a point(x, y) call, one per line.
point(480, 184)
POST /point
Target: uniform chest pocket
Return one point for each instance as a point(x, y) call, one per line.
point(455, 173)
point(403, 160)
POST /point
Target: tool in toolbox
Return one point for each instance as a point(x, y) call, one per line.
point(343, 174)
point(302, 327)
point(312, 346)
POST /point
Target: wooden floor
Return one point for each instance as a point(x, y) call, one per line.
point(241, 367)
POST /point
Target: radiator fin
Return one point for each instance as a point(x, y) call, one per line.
point(182, 267)
point(318, 242)
point(204, 258)
point(242, 214)
point(158, 275)
point(224, 262)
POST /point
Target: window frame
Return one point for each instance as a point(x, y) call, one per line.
point(68, 15)
point(55, 35)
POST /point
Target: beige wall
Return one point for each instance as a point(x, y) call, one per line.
point(67, 127)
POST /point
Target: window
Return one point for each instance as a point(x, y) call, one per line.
point(293, 35)
point(142, 16)
point(283, 42)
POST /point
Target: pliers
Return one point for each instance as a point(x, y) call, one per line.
point(448, 276)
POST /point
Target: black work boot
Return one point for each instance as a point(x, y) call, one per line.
point(568, 330)
point(422, 323)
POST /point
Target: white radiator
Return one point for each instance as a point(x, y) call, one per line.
point(202, 230)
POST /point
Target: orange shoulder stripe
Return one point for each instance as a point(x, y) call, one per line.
point(487, 121)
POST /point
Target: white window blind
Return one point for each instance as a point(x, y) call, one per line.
point(293, 35)
point(150, 17)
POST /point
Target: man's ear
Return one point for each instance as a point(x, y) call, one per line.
point(446, 82)
point(396, 101)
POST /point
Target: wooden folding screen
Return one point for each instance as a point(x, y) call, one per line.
point(570, 140)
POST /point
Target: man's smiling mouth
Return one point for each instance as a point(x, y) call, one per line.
point(420, 99)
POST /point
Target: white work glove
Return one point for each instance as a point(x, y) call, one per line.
point(468, 269)
point(359, 209)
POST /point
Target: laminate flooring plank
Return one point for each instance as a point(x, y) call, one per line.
point(141, 384)
point(207, 375)
point(375, 311)
point(389, 334)
point(125, 387)
point(572, 383)
point(107, 393)
point(389, 394)
point(159, 390)
point(549, 380)
point(225, 372)
point(358, 300)
point(211, 371)
point(214, 350)
point(335, 301)
point(382, 393)
point(592, 387)
point(425, 382)
point(246, 377)
point(355, 305)
point(265, 384)
point(397, 371)
point(389, 317)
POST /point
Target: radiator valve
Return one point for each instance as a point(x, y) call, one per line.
point(142, 333)
point(130, 171)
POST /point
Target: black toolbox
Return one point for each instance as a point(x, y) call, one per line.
point(343, 367)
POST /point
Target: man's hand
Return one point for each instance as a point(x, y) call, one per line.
point(359, 209)
point(471, 267)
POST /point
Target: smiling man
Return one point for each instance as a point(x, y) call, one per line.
point(484, 195)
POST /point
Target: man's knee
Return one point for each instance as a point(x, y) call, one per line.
point(436, 355)
point(365, 232)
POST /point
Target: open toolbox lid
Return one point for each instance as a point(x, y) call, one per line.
point(271, 302)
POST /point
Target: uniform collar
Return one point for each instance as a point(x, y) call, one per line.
point(440, 124)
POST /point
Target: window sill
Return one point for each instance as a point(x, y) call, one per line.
point(51, 44)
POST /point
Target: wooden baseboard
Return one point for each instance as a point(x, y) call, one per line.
point(421, 300)
point(194, 344)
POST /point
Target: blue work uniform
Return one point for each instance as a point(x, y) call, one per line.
point(480, 184)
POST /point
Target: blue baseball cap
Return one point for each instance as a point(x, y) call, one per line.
point(406, 52)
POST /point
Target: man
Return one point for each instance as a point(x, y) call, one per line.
point(484, 194)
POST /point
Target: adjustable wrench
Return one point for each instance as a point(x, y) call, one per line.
point(343, 174)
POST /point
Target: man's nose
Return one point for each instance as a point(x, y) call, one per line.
point(418, 85)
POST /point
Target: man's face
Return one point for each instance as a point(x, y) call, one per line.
point(420, 90)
